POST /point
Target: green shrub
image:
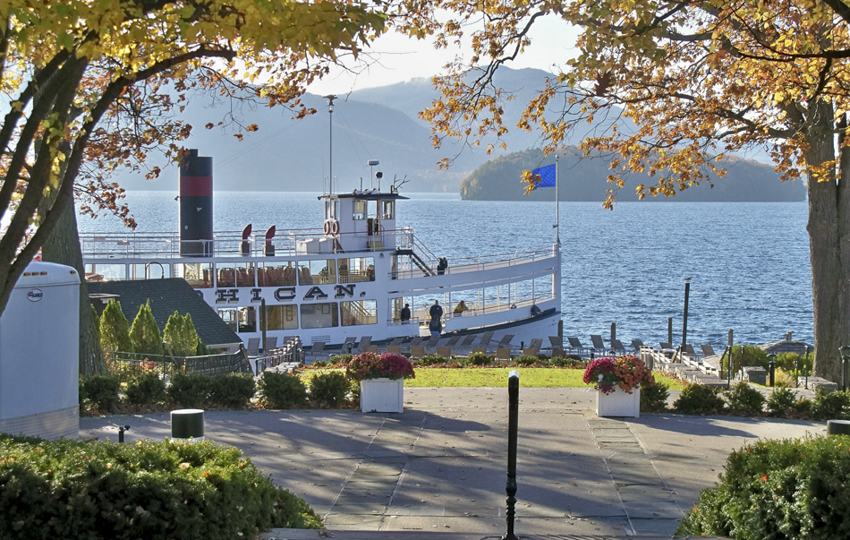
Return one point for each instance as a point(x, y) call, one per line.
point(699, 399)
point(802, 406)
point(745, 355)
point(150, 490)
point(341, 359)
point(114, 329)
point(321, 363)
point(526, 360)
point(145, 388)
point(232, 391)
point(102, 391)
point(180, 335)
point(778, 489)
point(654, 398)
point(744, 399)
point(780, 402)
point(282, 390)
point(144, 333)
point(329, 388)
point(430, 360)
point(787, 361)
point(567, 362)
point(480, 359)
point(189, 390)
point(830, 405)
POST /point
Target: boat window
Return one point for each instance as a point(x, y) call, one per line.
point(359, 312)
point(275, 275)
point(235, 275)
point(231, 317)
point(282, 317)
point(331, 208)
point(151, 270)
point(248, 319)
point(388, 211)
point(323, 315)
point(356, 270)
point(199, 275)
point(106, 272)
point(359, 209)
point(317, 272)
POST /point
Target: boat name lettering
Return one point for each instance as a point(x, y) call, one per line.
point(284, 293)
point(315, 293)
point(344, 290)
point(255, 295)
point(230, 296)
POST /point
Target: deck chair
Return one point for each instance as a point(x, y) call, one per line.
point(408, 346)
point(503, 354)
point(466, 344)
point(432, 343)
point(505, 342)
point(348, 345)
point(598, 344)
point(452, 341)
point(617, 346)
point(365, 341)
point(707, 350)
point(689, 350)
point(394, 349)
point(316, 351)
point(271, 343)
point(485, 339)
point(371, 348)
point(417, 352)
point(556, 342)
point(530, 351)
point(445, 352)
point(536, 343)
point(253, 347)
point(665, 345)
point(576, 345)
point(637, 344)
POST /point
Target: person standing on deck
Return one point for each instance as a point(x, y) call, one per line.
point(436, 325)
point(405, 314)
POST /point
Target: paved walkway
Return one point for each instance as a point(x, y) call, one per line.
point(438, 469)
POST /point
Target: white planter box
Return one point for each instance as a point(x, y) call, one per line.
point(382, 395)
point(618, 403)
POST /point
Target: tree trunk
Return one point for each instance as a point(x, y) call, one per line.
point(63, 246)
point(830, 256)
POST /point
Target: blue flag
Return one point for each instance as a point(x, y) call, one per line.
point(548, 175)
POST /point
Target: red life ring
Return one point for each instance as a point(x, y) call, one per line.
point(335, 227)
point(327, 227)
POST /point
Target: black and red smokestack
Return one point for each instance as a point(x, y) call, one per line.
point(196, 205)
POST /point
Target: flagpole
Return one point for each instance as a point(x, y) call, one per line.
point(557, 202)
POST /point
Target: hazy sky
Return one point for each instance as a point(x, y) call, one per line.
point(400, 58)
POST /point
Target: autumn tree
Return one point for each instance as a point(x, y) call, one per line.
point(82, 76)
point(677, 87)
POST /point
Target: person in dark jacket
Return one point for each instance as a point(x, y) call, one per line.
point(405, 314)
point(436, 324)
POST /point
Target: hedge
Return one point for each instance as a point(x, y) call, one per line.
point(152, 490)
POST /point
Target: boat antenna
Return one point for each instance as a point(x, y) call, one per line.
point(331, 98)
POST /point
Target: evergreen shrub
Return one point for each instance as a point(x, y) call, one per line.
point(233, 391)
point(189, 389)
point(780, 402)
point(282, 390)
point(144, 334)
point(526, 360)
point(480, 359)
point(430, 360)
point(699, 399)
point(745, 355)
point(567, 362)
point(101, 391)
point(654, 398)
point(830, 405)
point(180, 335)
point(744, 399)
point(114, 329)
point(796, 489)
point(145, 388)
point(329, 389)
point(150, 490)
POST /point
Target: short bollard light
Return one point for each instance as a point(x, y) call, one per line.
point(121, 430)
point(187, 424)
point(513, 413)
point(844, 352)
point(838, 427)
point(771, 369)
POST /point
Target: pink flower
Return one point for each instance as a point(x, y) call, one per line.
point(372, 366)
point(626, 372)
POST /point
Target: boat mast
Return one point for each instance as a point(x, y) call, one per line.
point(331, 98)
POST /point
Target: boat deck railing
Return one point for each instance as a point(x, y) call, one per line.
point(480, 263)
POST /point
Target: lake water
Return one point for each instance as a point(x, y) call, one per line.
point(748, 262)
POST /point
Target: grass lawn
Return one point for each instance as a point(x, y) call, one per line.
point(496, 377)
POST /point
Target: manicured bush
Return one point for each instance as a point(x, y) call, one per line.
point(114, 329)
point(144, 333)
point(150, 490)
point(232, 391)
point(745, 355)
point(788, 361)
point(340, 359)
point(654, 398)
point(145, 388)
point(430, 360)
point(189, 390)
point(329, 389)
point(743, 398)
point(796, 489)
point(830, 405)
point(281, 390)
point(780, 402)
point(101, 391)
point(699, 399)
point(180, 335)
point(526, 360)
point(480, 359)
point(567, 362)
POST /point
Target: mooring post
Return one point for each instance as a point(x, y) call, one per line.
point(685, 316)
point(513, 413)
point(729, 362)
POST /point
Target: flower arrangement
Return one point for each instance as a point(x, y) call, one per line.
point(626, 372)
point(370, 365)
